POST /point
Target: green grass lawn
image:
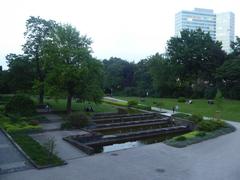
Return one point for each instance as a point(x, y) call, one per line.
point(230, 108)
point(35, 151)
point(60, 105)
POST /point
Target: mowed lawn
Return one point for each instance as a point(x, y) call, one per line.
point(230, 108)
point(60, 105)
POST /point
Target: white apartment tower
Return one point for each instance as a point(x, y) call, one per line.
point(225, 29)
point(220, 26)
point(198, 18)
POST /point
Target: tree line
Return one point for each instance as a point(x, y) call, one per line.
point(58, 62)
point(194, 66)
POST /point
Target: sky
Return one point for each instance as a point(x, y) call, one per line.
point(129, 29)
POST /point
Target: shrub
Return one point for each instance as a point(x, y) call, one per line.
point(159, 104)
point(180, 138)
point(181, 99)
point(20, 105)
point(210, 125)
point(201, 134)
point(132, 103)
point(181, 115)
point(144, 107)
point(122, 110)
point(66, 125)
point(196, 118)
point(78, 120)
point(34, 122)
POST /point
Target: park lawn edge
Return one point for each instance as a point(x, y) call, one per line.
point(197, 139)
point(34, 151)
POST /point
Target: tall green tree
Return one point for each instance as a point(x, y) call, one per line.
point(21, 73)
point(74, 72)
point(197, 54)
point(38, 31)
point(163, 74)
point(236, 48)
point(119, 74)
point(228, 76)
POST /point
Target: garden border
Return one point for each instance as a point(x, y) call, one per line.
point(25, 155)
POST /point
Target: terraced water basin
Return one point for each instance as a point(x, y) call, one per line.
point(127, 132)
point(134, 144)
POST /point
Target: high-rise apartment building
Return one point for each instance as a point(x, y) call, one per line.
point(220, 26)
point(198, 18)
point(225, 26)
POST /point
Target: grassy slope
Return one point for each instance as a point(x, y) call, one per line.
point(60, 105)
point(230, 110)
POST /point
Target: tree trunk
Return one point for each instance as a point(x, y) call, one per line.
point(41, 93)
point(69, 104)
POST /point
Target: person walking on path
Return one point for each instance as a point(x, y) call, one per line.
point(176, 108)
point(173, 109)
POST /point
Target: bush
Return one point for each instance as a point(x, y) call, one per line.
point(122, 111)
point(21, 105)
point(210, 92)
point(211, 125)
point(201, 134)
point(144, 107)
point(78, 120)
point(196, 118)
point(132, 103)
point(34, 122)
point(66, 125)
point(181, 99)
point(180, 138)
point(181, 115)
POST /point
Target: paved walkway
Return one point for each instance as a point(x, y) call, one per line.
point(215, 159)
point(54, 122)
point(11, 159)
point(63, 149)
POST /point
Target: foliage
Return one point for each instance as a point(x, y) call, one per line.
point(78, 120)
point(181, 115)
point(210, 125)
point(21, 73)
point(228, 76)
point(20, 105)
point(163, 75)
point(35, 151)
point(17, 125)
point(38, 33)
point(132, 103)
point(210, 92)
point(143, 107)
point(66, 125)
point(118, 75)
point(122, 111)
point(196, 118)
point(181, 99)
point(116, 103)
point(235, 47)
point(199, 136)
point(180, 138)
point(197, 53)
point(219, 100)
point(74, 72)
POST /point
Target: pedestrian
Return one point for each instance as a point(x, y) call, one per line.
point(173, 109)
point(176, 108)
point(47, 107)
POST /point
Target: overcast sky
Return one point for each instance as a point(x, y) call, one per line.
point(129, 29)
